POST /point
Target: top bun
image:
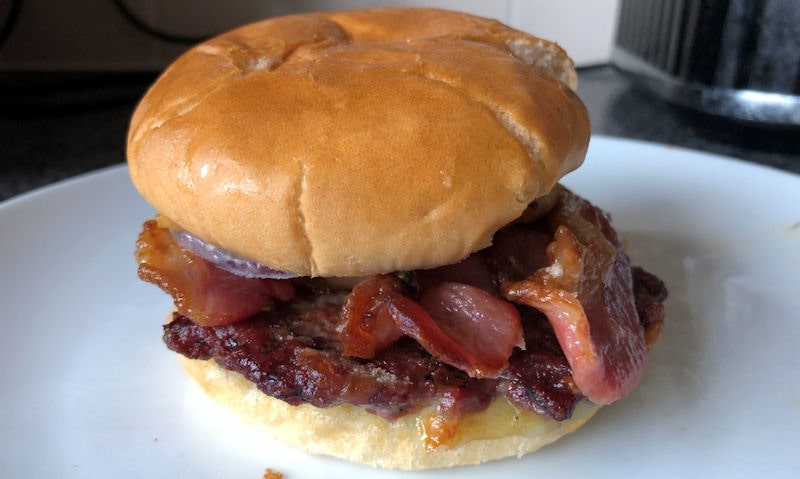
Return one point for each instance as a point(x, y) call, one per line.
point(359, 142)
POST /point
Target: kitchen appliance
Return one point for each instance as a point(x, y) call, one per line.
point(739, 59)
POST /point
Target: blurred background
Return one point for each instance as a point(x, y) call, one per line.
point(147, 34)
point(717, 75)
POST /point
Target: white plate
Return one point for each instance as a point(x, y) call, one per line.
point(88, 390)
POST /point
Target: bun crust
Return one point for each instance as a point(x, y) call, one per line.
point(352, 434)
point(360, 142)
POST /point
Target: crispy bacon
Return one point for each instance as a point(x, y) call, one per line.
point(586, 292)
point(480, 330)
point(292, 352)
point(366, 326)
point(568, 264)
point(458, 324)
point(209, 295)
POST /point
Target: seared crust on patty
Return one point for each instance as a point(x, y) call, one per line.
point(351, 433)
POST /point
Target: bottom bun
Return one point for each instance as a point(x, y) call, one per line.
point(351, 433)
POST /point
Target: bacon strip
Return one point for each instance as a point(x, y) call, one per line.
point(458, 324)
point(582, 284)
point(207, 294)
point(586, 292)
point(480, 330)
point(366, 326)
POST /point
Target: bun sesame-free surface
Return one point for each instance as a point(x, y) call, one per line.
point(358, 142)
point(351, 433)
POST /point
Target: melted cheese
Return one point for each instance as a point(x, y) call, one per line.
point(500, 419)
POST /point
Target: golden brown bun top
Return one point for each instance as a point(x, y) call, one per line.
point(358, 142)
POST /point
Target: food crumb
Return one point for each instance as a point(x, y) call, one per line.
point(271, 474)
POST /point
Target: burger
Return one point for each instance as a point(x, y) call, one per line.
point(361, 225)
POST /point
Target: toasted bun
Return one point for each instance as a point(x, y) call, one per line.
point(350, 433)
point(360, 142)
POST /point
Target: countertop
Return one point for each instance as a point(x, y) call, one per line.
point(57, 125)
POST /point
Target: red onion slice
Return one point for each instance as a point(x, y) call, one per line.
point(230, 262)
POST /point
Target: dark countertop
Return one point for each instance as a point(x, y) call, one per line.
point(57, 125)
